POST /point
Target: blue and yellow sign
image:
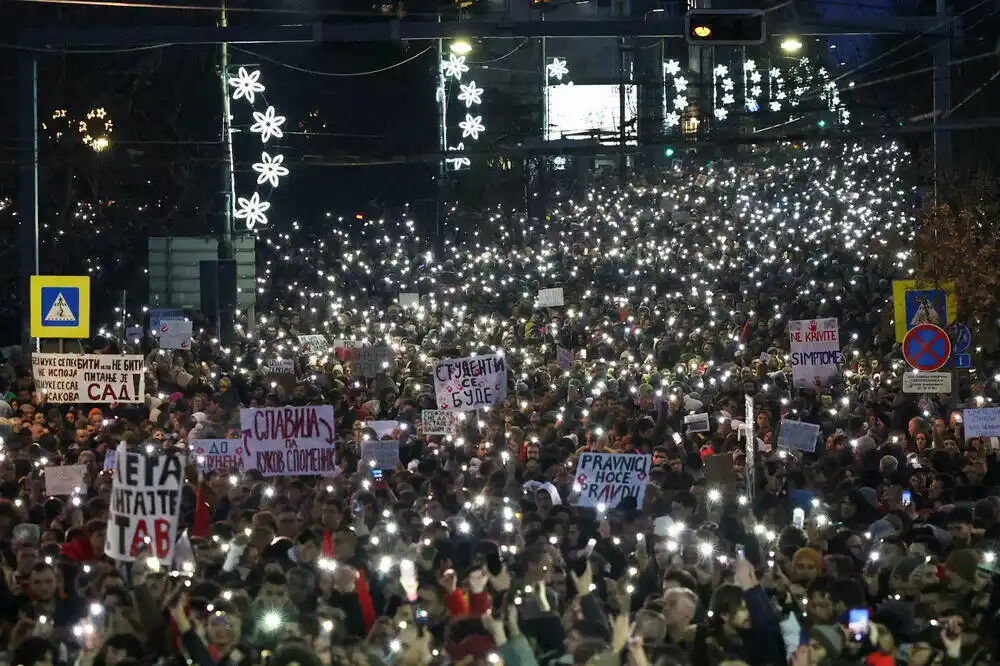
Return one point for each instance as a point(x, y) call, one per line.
point(916, 302)
point(60, 306)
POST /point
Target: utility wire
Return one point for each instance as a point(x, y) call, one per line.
point(334, 74)
point(972, 94)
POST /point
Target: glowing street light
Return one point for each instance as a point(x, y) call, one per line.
point(461, 47)
point(791, 45)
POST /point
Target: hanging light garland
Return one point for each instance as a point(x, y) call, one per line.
point(722, 92)
point(679, 103)
point(271, 167)
point(470, 96)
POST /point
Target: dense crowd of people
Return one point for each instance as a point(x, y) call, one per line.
point(876, 548)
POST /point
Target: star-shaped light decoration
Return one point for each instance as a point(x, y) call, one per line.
point(270, 169)
point(680, 83)
point(460, 161)
point(472, 126)
point(673, 119)
point(267, 124)
point(470, 94)
point(454, 66)
point(672, 67)
point(680, 102)
point(247, 84)
point(557, 69)
point(721, 70)
point(252, 210)
point(721, 113)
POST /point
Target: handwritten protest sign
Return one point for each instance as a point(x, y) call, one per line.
point(145, 504)
point(280, 366)
point(290, 441)
point(370, 361)
point(470, 383)
point(110, 459)
point(383, 429)
point(90, 378)
point(798, 435)
point(550, 298)
point(439, 422)
point(982, 422)
point(409, 299)
point(378, 454)
point(220, 455)
point(696, 423)
point(64, 480)
point(175, 334)
point(608, 478)
point(815, 351)
point(313, 344)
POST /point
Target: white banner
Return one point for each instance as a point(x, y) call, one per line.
point(409, 299)
point(220, 455)
point(280, 366)
point(608, 478)
point(290, 441)
point(175, 334)
point(815, 351)
point(550, 298)
point(145, 504)
point(65, 480)
point(470, 383)
point(438, 422)
point(90, 378)
point(696, 423)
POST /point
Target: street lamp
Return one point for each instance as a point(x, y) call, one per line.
point(460, 47)
point(791, 45)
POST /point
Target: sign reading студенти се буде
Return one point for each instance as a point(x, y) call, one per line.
point(605, 479)
point(289, 441)
point(470, 383)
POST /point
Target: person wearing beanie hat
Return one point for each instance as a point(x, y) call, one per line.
point(807, 564)
point(962, 566)
point(891, 626)
point(826, 642)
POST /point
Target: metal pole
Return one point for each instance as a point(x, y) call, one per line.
point(622, 157)
point(27, 204)
point(225, 314)
point(442, 99)
point(942, 104)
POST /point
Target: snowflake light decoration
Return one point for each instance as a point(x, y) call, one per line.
point(247, 84)
point(472, 126)
point(271, 168)
point(671, 68)
point(722, 92)
point(751, 86)
point(252, 210)
point(455, 66)
point(267, 124)
point(460, 161)
point(557, 69)
point(470, 94)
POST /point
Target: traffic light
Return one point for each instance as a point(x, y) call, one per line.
point(719, 27)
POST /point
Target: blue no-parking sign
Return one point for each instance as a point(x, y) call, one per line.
point(926, 347)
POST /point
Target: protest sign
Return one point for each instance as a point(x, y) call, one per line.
point(983, 422)
point(383, 429)
point(696, 423)
point(110, 459)
point(290, 441)
point(313, 344)
point(219, 455)
point(608, 478)
point(280, 366)
point(564, 358)
point(550, 298)
point(156, 316)
point(470, 383)
point(439, 422)
point(145, 504)
point(927, 382)
point(90, 378)
point(798, 435)
point(370, 361)
point(64, 480)
point(376, 454)
point(815, 351)
point(409, 299)
point(175, 334)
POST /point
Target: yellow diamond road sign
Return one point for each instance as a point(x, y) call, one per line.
point(60, 306)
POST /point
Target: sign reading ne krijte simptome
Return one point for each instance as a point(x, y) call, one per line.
point(608, 478)
point(145, 504)
point(290, 441)
point(90, 378)
point(470, 383)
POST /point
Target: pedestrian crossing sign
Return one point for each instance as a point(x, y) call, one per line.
point(60, 306)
